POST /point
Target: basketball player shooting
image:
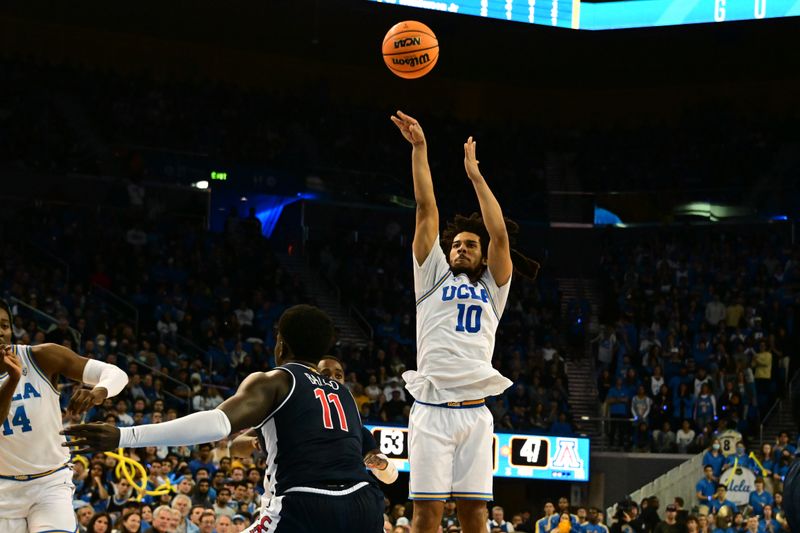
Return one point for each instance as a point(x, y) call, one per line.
point(35, 479)
point(307, 424)
point(460, 299)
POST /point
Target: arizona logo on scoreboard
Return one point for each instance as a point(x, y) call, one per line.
point(567, 457)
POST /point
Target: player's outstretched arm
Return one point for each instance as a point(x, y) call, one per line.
point(256, 397)
point(499, 253)
point(107, 380)
point(10, 364)
point(427, 226)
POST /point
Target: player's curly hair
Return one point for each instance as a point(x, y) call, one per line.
point(523, 265)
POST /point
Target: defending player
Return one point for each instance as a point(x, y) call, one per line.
point(308, 425)
point(461, 293)
point(35, 479)
point(378, 463)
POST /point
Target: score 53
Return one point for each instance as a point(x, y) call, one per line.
point(393, 442)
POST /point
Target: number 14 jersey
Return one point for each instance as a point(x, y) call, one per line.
point(456, 325)
point(29, 439)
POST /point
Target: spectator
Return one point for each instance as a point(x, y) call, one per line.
point(497, 523)
point(99, 523)
point(777, 506)
point(640, 404)
point(183, 505)
point(714, 458)
point(768, 524)
point(762, 370)
point(204, 460)
point(223, 504)
point(131, 523)
point(759, 497)
point(207, 522)
point(161, 520)
point(707, 486)
point(224, 524)
point(705, 406)
point(617, 399)
point(739, 458)
point(545, 524)
point(683, 404)
point(642, 438)
point(720, 500)
point(669, 524)
point(715, 311)
point(753, 525)
point(664, 439)
point(684, 437)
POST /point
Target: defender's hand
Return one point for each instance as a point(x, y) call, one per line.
point(375, 462)
point(410, 128)
point(470, 160)
point(84, 399)
point(92, 438)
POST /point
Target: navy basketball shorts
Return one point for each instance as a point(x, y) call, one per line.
point(310, 510)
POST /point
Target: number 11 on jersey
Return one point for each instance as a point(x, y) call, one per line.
point(333, 398)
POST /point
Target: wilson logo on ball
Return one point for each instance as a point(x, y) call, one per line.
point(411, 61)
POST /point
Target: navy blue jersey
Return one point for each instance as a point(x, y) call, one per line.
point(314, 437)
point(368, 442)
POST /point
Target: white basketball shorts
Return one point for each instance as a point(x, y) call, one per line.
point(450, 453)
point(38, 505)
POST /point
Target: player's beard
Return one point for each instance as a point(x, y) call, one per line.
point(472, 273)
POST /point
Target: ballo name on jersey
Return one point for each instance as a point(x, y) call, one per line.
point(321, 381)
point(28, 392)
point(464, 292)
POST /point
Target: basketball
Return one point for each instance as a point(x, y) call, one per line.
point(410, 49)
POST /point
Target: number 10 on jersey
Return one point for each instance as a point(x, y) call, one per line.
point(469, 318)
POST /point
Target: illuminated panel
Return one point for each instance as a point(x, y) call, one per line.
point(547, 12)
point(584, 15)
point(647, 13)
point(514, 456)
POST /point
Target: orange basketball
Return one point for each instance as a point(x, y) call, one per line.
point(410, 49)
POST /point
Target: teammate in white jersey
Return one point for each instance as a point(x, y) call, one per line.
point(460, 299)
point(35, 475)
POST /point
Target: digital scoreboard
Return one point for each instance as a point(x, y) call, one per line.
point(583, 15)
point(514, 456)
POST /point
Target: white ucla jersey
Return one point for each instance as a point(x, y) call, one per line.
point(29, 439)
point(456, 325)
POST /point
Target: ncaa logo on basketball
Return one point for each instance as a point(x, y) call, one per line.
point(408, 41)
point(567, 455)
